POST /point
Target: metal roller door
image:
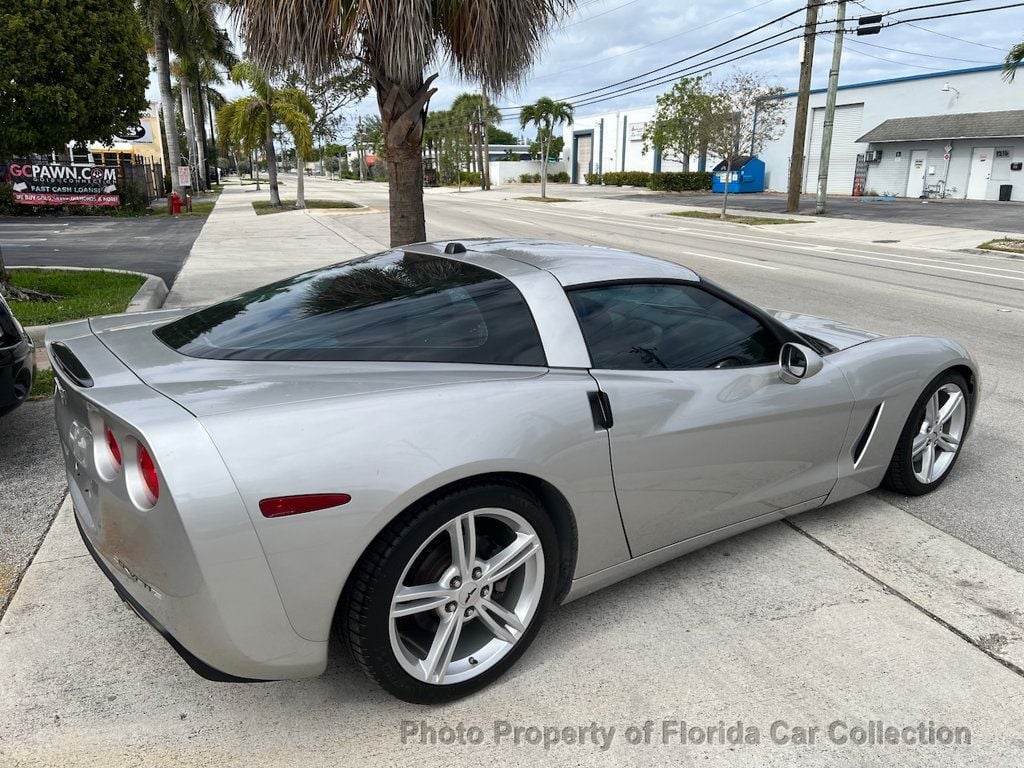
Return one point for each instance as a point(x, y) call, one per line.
point(843, 161)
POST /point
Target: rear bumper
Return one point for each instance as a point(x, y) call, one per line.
point(17, 370)
point(199, 666)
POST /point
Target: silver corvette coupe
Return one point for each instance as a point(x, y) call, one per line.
point(429, 448)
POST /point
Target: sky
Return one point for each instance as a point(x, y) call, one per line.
point(605, 41)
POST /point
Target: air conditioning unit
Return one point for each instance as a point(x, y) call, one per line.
point(873, 155)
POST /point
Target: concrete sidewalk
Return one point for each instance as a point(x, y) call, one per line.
point(238, 250)
point(840, 619)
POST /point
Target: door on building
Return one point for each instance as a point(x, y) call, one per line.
point(981, 170)
point(582, 156)
point(917, 173)
point(842, 164)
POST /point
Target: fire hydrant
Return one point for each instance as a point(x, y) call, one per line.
point(174, 203)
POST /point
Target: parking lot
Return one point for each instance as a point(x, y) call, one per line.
point(157, 245)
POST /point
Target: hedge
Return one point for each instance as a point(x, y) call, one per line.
point(529, 178)
point(472, 178)
point(534, 178)
point(678, 181)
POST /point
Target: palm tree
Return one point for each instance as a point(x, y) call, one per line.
point(545, 114)
point(248, 122)
point(158, 16)
point(494, 43)
point(474, 111)
point(1013, 60)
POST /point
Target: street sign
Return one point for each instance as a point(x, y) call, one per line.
point(184, 176)
point(946, 156)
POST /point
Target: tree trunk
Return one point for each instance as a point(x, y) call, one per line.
point(275, 195)
point(725, 197)
point(403, 115)
point(188, 115)
point(543, 170)
point(163, 76)
point(300, 180)
point(203, 145)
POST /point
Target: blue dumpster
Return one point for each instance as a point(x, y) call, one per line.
point(747, 175)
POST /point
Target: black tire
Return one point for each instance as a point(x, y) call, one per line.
point(364, 613)
point(900, 475)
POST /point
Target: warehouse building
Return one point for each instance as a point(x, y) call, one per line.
point(958, 134)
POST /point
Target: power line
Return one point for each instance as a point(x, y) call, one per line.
point(594, 16)
point(942, 34)
point(685, 58)
point(655, 42)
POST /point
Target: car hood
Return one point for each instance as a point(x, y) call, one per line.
point(206, 387)
point(838, 334)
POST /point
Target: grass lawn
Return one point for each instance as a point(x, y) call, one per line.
point(199, 208)
point(1005, 244)
point(263, 206)
point(735, 219)
point(42, 386)
point(83, 293)
point(535, 199)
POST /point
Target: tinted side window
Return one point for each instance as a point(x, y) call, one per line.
point(390, 307)
point(650, 326)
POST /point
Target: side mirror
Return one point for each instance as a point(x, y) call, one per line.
point(797, 362)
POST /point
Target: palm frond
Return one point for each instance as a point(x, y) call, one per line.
point(1013, 60)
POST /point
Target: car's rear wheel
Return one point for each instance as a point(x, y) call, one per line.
point(932, 437)
point(451, 594)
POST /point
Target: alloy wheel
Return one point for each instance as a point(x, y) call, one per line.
point(466, 596)
point(940, 433)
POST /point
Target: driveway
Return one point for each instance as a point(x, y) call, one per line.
point(157, 245)
point(968, 214)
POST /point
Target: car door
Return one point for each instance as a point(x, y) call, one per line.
point(704, 432)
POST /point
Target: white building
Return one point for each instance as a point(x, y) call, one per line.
point(959, 132)
point(613, 141)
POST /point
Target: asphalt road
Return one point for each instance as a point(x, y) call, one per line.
point(970, 214)
point(973, 298)
point(32, 484)
point(157, 245)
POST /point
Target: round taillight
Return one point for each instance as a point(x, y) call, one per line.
point(148, 471)
point(113, 447)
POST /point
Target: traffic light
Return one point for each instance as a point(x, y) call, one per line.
point(869, 25)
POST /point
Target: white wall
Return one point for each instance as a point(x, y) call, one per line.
point(508, 171)
point(891, 174)
point(980, 91)
point(612, 154)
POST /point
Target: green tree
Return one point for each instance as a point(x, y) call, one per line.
point(496, 135)
point(493, 43)
point(677, 130)
point(473, 110)
point(70, 70)
point(545, 114)
point(1013, 60)
point(249, 121)
point(745, 113)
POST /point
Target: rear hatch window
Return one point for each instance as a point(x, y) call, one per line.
point(393, 306)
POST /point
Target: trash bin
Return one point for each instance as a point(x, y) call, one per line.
point(1005, 190)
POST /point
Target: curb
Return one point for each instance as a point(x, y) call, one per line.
point(150, 296)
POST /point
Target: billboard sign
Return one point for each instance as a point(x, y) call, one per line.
point(62, 183)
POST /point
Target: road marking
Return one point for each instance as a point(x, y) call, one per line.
point(24, 239)
point(723, 258)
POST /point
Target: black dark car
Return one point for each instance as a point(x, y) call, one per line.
point(17, 362)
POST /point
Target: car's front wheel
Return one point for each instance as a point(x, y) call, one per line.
point(452, 593)
point(932, 437)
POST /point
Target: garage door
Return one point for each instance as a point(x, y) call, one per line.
point(843, 159)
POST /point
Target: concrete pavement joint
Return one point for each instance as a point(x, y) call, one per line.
point(13, 587)
point(908, 600)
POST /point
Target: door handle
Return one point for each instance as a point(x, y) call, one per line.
point(601, 410)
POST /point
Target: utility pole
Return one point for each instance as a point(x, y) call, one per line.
point(830, 110)
point(479, 131)
point(796, 163)
point(359, 148)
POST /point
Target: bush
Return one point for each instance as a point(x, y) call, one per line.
point(562, 177)
point(470, 178)
point(133, 201)
point(681, 181)
point(627, 178)
point(7, 205)
point(529, 178)
point(592, 178)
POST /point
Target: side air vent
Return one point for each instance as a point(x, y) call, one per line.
point(866, 434)
point(71, 365)
point(455, 248)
